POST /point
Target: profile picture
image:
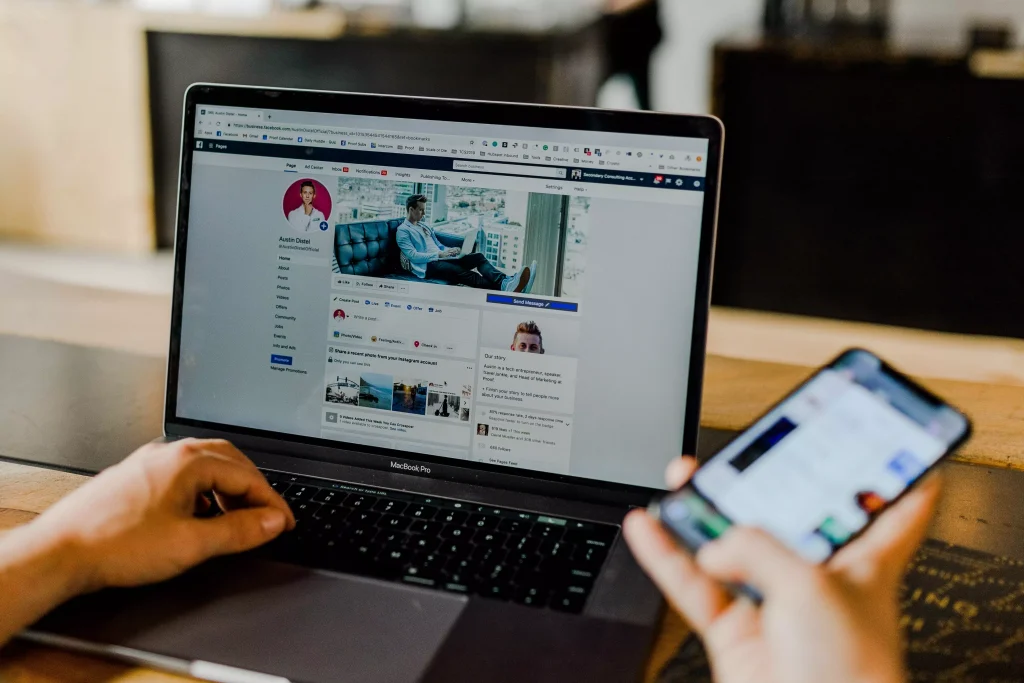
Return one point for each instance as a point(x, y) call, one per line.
point(528, 338)
point(307, 205)
point(482, 429)
point(339, 314)
point(577, 174)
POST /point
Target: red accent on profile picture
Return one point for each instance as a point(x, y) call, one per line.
point(339, 314)
point(307, 205)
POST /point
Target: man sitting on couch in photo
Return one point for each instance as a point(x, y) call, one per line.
point(426, 258)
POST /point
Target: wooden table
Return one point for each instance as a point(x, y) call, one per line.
point(984, 376)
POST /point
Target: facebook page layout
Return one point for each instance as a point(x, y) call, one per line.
point(523, 322)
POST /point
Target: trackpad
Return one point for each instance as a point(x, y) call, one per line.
point(304, 625)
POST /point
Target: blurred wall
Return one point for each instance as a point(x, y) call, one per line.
point(682, 64)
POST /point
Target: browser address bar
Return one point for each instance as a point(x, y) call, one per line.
point(508, 169)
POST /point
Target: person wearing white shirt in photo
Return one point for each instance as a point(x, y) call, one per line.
point(306, 217)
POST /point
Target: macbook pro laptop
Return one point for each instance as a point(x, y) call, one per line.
point(459, 458)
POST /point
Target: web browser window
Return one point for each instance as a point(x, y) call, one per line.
point(504, 295)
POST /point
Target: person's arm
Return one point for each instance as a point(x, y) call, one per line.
point(833, 622)
point(404, 242)
point(136, 523)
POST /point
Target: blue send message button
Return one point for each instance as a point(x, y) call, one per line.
point(529, 302)
point(280, 360)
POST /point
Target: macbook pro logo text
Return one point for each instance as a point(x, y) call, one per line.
point(416, 469)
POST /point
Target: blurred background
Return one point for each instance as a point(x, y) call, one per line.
point(874, 157)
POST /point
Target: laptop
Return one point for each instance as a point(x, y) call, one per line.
point(459, 459)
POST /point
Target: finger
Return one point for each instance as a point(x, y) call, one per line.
point(888, 545)
point(753, 557)
point(233, 480)
point(679, 471)
point(697, 597)
point(237, 531)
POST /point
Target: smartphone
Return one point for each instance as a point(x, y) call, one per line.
point(819, 466)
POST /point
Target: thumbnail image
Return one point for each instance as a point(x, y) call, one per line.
point(375, 390)
point(834, 532)
point(482, 429)
point(343, 390)
point(444, 404)
point(526, 242)
point(521, 332)
point(410, 396)
point(307, 205)
point(870, 502)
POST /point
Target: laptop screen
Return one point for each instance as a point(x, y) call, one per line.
point(508, 296)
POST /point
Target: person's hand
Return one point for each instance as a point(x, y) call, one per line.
point(452, 252)
point(836, 622)
point(136, 522)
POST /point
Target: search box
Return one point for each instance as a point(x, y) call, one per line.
point(508, 169)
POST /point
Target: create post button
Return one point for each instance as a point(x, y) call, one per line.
point(280, 360)
point(530, 302)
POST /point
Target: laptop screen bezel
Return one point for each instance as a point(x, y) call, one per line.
point(461, 111)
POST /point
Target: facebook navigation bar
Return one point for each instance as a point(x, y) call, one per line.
point(372, 158)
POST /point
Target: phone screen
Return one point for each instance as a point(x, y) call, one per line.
point(816, 469)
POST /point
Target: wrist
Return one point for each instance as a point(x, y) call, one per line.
point(59, 559)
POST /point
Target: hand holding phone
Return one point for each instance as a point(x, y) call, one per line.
point(818, 467)
point(819, 622)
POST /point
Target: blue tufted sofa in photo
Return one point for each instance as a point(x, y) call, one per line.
point(369, 248)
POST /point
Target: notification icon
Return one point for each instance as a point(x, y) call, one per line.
point(344, 169)
point(383, 172)
point(658, 179)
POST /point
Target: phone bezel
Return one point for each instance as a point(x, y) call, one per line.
point(908, 382)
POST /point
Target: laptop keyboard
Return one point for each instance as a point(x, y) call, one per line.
point(440, 543)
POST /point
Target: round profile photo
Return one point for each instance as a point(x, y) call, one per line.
point(307, 206)
point(339, 314)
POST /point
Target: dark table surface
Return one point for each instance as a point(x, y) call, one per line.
point(82, 409)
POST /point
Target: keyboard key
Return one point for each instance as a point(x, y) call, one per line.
point(329, 496)
point(455, 532)
point(452, 517)
point(489, 554)
point(424, 543)
point(420, 512)
point(455, 548)
point(581, 576)
point(394, 522)
point(517, 527)
point(418, 577)
point(300, 492)
point(333, 514)
point(390, 506)
point(360, 501)
point(362, 535)
point(531, 596)
point(305, 510)
point(523, 545)
point(523, 560)
point(279, 485)
point(547, 531)
point(485, 522)
point(363, 518)
point(490, 538)
point(588, 556)
point(425, 528)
